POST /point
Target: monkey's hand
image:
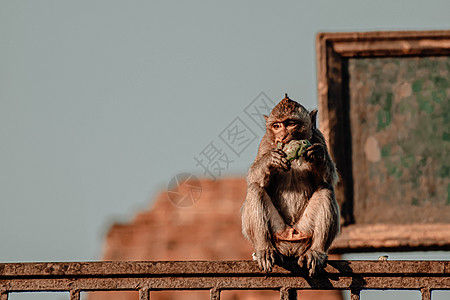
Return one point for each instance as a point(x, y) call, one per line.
point(315, 153)
point(272, 161)
point(265, 259)
point(314, 261)
point(276, 159)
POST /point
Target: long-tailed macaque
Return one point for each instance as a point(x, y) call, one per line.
point(290, 209)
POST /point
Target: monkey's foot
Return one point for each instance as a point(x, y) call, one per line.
point(314, 261)
point(291, 234)
point(265, 259)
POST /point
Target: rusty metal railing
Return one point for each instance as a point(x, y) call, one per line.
point(216, 276)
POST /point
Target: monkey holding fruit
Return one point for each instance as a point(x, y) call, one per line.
point(290, 209)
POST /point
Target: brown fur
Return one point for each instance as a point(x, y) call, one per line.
point(290, 209)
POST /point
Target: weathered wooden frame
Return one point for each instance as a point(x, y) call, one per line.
point(333, 52)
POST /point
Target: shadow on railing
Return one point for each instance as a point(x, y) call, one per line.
point(216, 276)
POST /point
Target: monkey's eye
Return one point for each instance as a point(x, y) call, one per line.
point(276, 126)
point(291, 123)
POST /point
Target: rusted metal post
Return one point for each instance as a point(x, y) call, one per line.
point(3, 295)
point(74, 295)
point(144, 294)
point(354, 294)
point(426, 294)
point(214, 294)
point(288, 294)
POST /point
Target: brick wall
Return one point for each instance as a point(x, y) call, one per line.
point(208, 230)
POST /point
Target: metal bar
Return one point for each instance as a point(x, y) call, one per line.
point(229, 275)
point(214, 293)
point(207, 282)
point(426, 294)
point(144, 294)
point(74, 294)
point(354, 294)
point(155, 268)
point(288, 294)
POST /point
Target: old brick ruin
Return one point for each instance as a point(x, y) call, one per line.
point(208, 230)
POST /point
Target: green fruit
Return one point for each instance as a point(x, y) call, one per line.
point(295, 149)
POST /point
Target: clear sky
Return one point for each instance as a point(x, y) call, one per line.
point(102, 102)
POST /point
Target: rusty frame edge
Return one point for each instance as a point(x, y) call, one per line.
point(214, 293)
point(333, 49)
point(191, 268)
point(144, 294)
point(146, 276)
point(205, 282)
point(3, 295)
point(374, 36)
point(74, 294)
point(425, 293)
point(287, 293)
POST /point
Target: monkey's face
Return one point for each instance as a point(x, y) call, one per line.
point(285, 130)
point(288, 121)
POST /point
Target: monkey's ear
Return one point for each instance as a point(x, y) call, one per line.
point(265, 117)
point(313, 116)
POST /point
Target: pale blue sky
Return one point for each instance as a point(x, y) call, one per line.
point(103, 102)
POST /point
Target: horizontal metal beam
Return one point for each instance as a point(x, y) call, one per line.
point(220, 275)
point(229, 283)
point(238, 267)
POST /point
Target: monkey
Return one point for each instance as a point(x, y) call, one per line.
point(290, 210)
